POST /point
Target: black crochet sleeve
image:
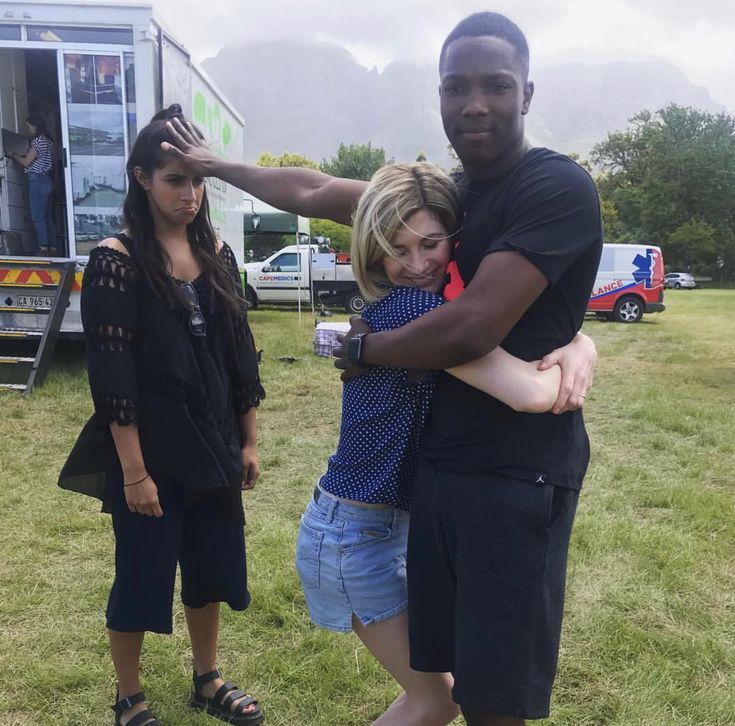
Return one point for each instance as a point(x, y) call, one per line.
point(109, 316)
point(247, 390)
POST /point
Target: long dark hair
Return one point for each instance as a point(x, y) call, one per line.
point(151, 257)
point(38, 122)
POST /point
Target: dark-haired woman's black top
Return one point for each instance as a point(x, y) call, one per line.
point(183, 391)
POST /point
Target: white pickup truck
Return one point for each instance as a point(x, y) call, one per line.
point(301, 272)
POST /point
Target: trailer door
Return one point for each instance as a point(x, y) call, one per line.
point(95, 118)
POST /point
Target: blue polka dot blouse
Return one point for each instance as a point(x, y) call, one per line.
point(383, 414)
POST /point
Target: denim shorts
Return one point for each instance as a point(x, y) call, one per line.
point(352, 560)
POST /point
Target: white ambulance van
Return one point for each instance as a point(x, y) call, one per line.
point(629, 283)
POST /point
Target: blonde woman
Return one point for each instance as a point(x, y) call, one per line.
point(351, 546)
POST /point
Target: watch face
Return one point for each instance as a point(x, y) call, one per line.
point(354, 348)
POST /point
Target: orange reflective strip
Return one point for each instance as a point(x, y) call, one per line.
point(48, 277)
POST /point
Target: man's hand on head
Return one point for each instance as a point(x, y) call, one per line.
point(350, 368)
point(189, 148)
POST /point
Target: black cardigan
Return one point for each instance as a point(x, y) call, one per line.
point(184, 392)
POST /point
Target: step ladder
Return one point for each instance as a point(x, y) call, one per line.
point(31, 278)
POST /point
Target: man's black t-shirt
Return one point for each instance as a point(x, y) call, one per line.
point(547, 210)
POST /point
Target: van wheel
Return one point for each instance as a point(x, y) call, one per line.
point(251, 297)
point(628, 309)
point(355, 303)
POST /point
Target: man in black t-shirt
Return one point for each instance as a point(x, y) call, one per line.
point(497, 491)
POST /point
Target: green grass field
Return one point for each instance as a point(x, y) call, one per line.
point(649, 636)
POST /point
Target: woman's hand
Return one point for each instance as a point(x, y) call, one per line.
point(142, 497)
point(577, 361)
point(189, 148)
point(250, 466)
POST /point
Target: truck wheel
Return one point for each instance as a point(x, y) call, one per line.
point(251, 297)
point(628, 309)
point(355, 303)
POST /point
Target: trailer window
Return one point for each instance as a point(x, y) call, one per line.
point(97, 149)
point(130, 109)
point(9, 32)
point(70, 34)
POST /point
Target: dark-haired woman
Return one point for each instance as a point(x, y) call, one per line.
point(174, 378)
point(38, 163)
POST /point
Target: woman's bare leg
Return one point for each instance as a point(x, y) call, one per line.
point(203, 630)
point(125, 649)
point(427, 697)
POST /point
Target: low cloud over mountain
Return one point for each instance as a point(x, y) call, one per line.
point(308, 99)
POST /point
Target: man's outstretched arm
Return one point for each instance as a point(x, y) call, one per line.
point(306, 192)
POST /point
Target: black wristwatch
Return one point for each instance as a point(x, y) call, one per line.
point(354, 348)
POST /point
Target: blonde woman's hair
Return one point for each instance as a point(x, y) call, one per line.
point(395, 193)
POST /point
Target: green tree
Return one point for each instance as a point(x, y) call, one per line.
point(340, 235)
point(286, 159)
point(692, 246)
point(574, 156)
point(457, 168)
point(672, 174)
point(421, 156)
point(356, 161)
point(611, 221)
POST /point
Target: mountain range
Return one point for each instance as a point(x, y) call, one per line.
point(308, 98)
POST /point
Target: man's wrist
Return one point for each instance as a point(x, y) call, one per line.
point(355, 348)
point(223, 169)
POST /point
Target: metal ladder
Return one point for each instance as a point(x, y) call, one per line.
point(59, 278)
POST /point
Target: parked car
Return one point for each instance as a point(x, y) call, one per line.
point(678, 280)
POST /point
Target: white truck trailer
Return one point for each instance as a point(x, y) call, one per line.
point(96, 73)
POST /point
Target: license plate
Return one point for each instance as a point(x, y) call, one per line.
point(34, 301)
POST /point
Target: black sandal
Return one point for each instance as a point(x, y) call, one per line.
point(144, 718)
point(220, 705)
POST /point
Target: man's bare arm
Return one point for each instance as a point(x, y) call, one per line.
point(504, 287)
point(306, 192)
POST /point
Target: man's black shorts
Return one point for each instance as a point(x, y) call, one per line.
point(486, 570)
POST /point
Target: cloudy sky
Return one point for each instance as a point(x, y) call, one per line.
point(698, 36)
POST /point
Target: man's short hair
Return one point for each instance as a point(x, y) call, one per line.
point(494, 25)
